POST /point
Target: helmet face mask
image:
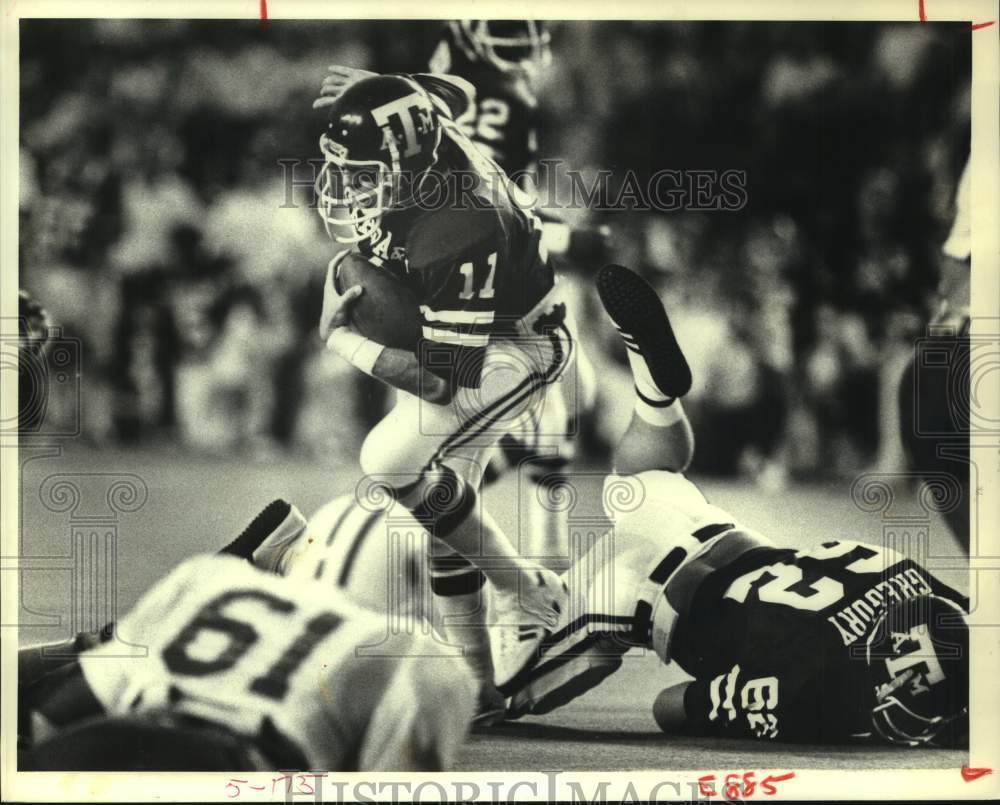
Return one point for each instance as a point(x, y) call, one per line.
point(508, 45)
point(917, 656)
point(898, 724)
point(353, 195)
point(381, 139)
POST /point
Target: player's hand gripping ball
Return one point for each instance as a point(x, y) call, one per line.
point(373, 301)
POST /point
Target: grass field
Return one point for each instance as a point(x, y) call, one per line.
point(198, 504)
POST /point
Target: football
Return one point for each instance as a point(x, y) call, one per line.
point(387, 312)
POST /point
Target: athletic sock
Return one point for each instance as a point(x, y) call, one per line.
point(459, 597)
point(651, 404)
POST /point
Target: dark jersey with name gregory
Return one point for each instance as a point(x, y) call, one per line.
point(776, 639)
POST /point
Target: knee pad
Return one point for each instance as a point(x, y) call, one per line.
point(442, 501)
point(548, 472)
point(453, 575)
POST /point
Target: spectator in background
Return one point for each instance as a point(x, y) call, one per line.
point(840, 386)
point(226, 394)
point(847, 134)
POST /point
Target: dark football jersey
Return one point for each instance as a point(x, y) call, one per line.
point(776, 639)
point(503, 120)
point(469, 251)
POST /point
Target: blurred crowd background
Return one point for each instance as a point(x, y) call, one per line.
point(160, 228)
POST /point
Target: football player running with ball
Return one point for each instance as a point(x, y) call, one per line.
point(505, 61)
point(846, 640)
point(406, 189)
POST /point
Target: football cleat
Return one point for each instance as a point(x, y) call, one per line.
point(638, 313)
point(522, 619)
point(278, 518)
point(538, 601)
point(491, 708)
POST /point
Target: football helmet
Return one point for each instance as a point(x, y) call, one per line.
point(918, 658)
point(508, 45)
point(381, 139)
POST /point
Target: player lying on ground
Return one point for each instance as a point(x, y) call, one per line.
point(406, 189)
point(187, 704)
point(222, 666)
point(844, 640)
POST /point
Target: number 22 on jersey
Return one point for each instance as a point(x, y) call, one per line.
point(785, 583)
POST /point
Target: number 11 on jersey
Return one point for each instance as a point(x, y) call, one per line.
point(468, 271)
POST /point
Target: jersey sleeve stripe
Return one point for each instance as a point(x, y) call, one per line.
point(458, 339)
point(457, 316)
point(727, 703)
point(715, 696)
point(359, 537)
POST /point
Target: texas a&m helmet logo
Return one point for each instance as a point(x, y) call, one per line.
point(406, 123)
point(916, 659)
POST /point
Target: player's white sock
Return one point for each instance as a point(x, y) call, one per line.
point(651, 404)
point(463, 620)
point(547, 534)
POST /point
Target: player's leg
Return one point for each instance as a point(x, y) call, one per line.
point(543, 478)
point(539, 451)
point(429, 458)
point(934, 433)
point(659, 435)
point(469, 546)
point(461, 604)
point(542, 673)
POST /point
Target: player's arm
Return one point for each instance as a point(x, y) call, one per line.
point(402, 370)
point(668, 708)
point(953, 288)
point(397, 367)
point(452, 96)
point(734, 704)
point(423, 716)
point(36, 662)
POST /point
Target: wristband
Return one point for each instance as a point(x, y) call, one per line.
point(355, 348)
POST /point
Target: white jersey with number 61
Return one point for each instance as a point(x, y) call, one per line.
point(256, 652)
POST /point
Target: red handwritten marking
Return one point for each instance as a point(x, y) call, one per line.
point(974, 27)
point(737, 785)
point(974, 774)
point(263, 15)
